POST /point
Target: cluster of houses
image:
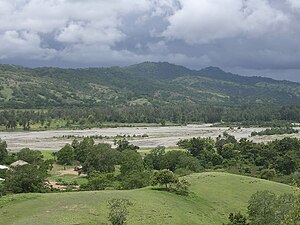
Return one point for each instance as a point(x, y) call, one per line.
point(11, 166)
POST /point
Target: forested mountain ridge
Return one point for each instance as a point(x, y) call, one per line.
point(146, 83)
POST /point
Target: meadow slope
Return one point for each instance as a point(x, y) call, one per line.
point(213, 196)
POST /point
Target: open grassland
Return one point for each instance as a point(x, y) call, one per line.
point(213, 196)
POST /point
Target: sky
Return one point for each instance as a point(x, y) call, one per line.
point(248, 37)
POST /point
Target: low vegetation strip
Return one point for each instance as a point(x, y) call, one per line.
point(275, 131)
point(213, 196)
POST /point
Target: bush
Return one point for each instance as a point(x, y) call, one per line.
point(118, 211)
point(268, 174)
point(180, 187)
point(136, 180)
point(237, 219)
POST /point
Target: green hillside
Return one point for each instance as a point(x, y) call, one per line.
point(145, 83)
point(213, 196)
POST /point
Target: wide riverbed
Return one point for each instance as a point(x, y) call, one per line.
point(166, 136)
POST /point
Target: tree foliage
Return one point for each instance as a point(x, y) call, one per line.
point(3, 151)
point(292, 217)
point(164, 177)
point(30, 156)
point(123, 144)
point(131, 162)
point(25, 179)
point(237, 219)
point(267, 208)
point(101, 158)
point(82, 149)
point(65, 156)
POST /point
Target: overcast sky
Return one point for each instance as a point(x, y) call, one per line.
point(250, 37)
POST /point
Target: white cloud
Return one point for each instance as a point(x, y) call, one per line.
point(122, 32)
point(295, 4)
point(23, 44)
point(46, 16)
point(89, 33)
point(202, 21)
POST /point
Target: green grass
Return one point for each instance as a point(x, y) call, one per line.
point(47, 154)
point(213, 196)
point(69, 178)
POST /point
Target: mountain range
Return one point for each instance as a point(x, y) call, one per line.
point(144, 83)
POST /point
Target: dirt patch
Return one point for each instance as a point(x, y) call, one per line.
point(54, 185)
point(68, 171)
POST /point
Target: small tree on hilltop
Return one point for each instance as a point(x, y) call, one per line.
point(164, 177)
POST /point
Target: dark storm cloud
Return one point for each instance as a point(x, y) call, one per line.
point(246, 36)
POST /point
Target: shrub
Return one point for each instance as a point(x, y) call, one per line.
point(118, 211)
point(237, 219)
point(268, 174)
point(180, 187)
point(136, 180)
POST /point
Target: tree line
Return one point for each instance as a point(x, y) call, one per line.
point(160, 114)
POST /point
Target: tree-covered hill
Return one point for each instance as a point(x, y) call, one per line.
point(142, 84)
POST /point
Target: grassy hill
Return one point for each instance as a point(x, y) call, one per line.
point(145, 83)
point(214, 195)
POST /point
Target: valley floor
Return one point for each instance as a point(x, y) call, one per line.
point(155, 136)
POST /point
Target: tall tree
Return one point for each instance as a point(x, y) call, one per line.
point(101, 158)
point(30, 156)
point(65, 155)
point(3, 151)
